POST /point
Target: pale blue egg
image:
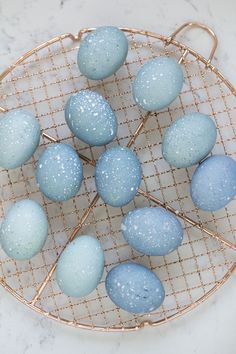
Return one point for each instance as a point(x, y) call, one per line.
point(80, 266)
point(19, 138)
point(59, 172)
point(118, 175)
point(90, 117)
point(134, 288)
point(189, 140)
point(152, 231)
point(158, 83)
point(24, 230)
point(214, 183)
point(102, 52)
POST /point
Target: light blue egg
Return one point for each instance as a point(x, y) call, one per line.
point(189, 140)
point(102, 52)
point(118, 176)
point(158, 83)
point(19, 138)
point(214, 183)
point(134, 288)
point(90, 117)
point(80, 266)
point(59, 172)
point(152, 231)
point(24, 230)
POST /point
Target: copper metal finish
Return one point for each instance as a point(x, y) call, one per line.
point(41, 81)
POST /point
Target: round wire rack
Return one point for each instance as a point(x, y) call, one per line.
point(41, 81)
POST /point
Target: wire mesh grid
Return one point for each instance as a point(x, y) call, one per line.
point(42, 83)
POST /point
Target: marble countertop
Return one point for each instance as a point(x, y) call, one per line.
point(210, 328)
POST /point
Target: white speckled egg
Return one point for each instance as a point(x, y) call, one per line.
point(90, 117)
point(213, 183)
point(152, 231)
point(80, 266)
point(158, 83)
point(59, 172)
point(134, 288)
point(24, 230)
point(19, 138)
point(118, 176)
point(189, 140)
point(102, 52)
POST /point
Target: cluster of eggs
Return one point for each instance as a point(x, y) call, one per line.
point(59, 174)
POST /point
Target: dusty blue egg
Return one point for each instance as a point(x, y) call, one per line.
point(189, 140)
point(24, 230)
point(214, 183)
point(102, 52)
point(59, 172)
point(90, 117)
point(135, 288)
point(80, 266)
point(19, 138)
point(152, 231)
point(118, 176)
point(158, 83)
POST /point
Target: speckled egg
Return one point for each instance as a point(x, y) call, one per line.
point(19, 138)
point(189, 140)
point(90, 117)
point(214, 183)
point(118, 176)
point(158, 83)
point(24, 230)
point(134, 288)
point(102, 52)
point(59, 172)
point(152, 231)
point(80, 266)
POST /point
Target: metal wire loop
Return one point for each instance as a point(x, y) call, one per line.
point(197, 25)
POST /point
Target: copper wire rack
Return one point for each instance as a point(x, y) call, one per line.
point(41, 81)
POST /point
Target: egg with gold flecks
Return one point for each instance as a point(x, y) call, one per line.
point(158, 83)
point(91, 118)
point(102, 52)
point(19, 138)
point(59, 172)
point(80, 266)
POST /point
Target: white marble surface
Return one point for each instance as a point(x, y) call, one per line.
point(209, 329)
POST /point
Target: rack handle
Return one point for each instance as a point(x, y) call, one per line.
point(196, 25)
